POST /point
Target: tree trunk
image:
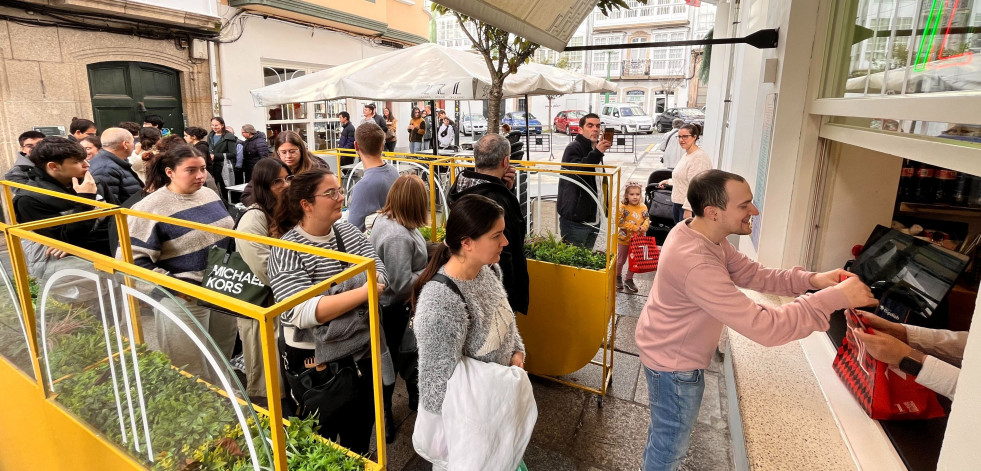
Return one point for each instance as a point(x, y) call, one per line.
point(494, 105)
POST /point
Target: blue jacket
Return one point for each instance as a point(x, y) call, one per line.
point(117, 174)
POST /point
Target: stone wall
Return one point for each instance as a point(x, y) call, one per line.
point(44, 80)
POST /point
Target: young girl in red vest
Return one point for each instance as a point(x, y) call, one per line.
point(632, 220)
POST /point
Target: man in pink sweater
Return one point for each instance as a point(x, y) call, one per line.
point(695, 294)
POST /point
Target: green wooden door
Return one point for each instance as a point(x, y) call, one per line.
point(128, 91)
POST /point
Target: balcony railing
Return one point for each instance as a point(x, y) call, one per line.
point(649, 14)
point(644, 68)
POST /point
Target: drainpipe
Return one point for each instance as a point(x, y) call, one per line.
point(215, 78)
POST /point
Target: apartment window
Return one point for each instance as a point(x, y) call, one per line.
point(608, 60)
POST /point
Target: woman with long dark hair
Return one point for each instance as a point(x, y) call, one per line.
point(270, 177)
point(222, 145)
point(178, 178)
point(326, 340)
point(400, 245)
point(478, 325)
point(198, 137)
point(391, 132)
point(292, 151)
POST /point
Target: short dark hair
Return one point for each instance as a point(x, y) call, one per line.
point(370, 106)
point(29, 135)
point(94, 140)
point(709, 189)
point(55, 149)
point(132, 127)
point(155, 120)
point(80, 125)
point(370, 138)
point(345, 115)
point(582, 121)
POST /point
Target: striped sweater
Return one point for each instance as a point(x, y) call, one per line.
point(291, 272)
point(173, 250)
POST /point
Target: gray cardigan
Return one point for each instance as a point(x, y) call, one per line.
point(403, 252)
point(448, 329)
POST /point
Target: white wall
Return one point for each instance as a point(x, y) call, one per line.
point(861, 194)
point(734, 141)
point(275, 42)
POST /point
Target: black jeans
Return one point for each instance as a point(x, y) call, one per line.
point(577, 233)
point(390, 146)
point(678, 211)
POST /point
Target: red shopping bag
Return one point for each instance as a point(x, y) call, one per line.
point(643, 254)
point(886, 393)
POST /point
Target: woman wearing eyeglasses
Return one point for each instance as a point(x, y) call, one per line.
point(292, 151)
point(270, 177)
point(325, 345)
point(694, 161)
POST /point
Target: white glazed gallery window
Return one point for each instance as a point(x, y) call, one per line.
point(607, 61)
point(312, 121)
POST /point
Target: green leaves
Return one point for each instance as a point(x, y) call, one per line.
point(551, 250)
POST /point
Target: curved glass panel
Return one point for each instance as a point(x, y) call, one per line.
point(14, 345)
point(172, 402)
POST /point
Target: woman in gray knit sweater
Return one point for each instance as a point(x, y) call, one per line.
point(481, 325)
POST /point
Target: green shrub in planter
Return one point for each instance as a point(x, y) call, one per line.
point(427, 232)
point(549, 249)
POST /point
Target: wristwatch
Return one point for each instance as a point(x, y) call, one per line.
point(910, 366)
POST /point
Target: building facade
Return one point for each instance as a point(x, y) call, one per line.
point(114, 61)
point(266, 42)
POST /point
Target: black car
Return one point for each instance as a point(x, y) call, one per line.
point(689, 115)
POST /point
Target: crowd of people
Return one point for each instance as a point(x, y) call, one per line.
point(439, 303)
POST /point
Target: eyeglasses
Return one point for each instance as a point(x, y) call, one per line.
point(333, 193)
point(280, 181)
point(685, 136)
point(289, 151)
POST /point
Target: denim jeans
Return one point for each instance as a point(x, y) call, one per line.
point(678, 211)
point(415, 147)
point(577, 233)
point(675, 398)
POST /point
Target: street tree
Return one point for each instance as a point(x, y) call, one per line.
point(504, 52)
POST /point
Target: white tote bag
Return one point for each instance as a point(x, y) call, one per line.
point(489, 413)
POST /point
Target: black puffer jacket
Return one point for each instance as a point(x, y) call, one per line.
point(91, 234)
point(575, 204)
point(255, 148)
point(115, 173)
point(513, 263)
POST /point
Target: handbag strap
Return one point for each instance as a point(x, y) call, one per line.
point(340, 244)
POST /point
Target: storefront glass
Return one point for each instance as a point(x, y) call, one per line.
point(906, 47)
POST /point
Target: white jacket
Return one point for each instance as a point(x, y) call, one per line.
point(488, 415)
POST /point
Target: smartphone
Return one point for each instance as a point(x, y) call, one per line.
point(608, 134)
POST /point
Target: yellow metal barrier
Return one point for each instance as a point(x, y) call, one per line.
point(48, 419)
point(572, 310)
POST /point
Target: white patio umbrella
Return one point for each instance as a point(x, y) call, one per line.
point(425, 72)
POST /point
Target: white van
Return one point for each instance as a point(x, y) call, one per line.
point(626, 118)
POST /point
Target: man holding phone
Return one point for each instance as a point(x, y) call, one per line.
point(578, 211)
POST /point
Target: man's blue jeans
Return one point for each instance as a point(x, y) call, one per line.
point(675, 398)
point(577, 233)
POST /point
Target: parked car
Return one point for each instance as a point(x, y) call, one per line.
point(516, 119)
point(473, 122)
point(689, 115)
point(626, 118)
point(568, 121)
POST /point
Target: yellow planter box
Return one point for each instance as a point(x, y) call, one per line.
point(567, 317)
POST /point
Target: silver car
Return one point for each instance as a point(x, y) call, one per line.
point(473, 122)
